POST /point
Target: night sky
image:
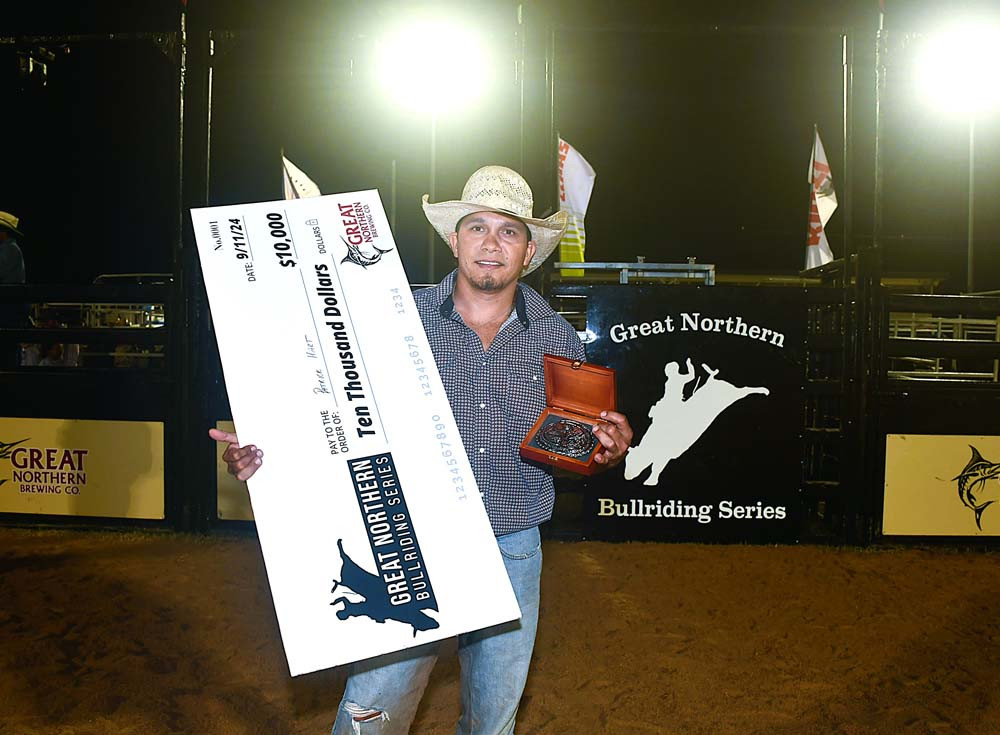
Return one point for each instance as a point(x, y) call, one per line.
point(698, 122)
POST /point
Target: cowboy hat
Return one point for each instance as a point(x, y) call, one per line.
point(499, 189)
point(9, 222)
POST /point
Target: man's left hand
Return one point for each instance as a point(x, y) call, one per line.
point(615, 433)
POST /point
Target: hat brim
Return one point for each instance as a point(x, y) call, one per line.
point(546, 233)
point(5, 226)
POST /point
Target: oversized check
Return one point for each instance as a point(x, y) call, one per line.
point(372, 527)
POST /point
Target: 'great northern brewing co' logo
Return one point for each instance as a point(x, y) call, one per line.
point(359, 229)
point(45, 470)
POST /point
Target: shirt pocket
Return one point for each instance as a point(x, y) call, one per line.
point(454, 375)
point(522, 394)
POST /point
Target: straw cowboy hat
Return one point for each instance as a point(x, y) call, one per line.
point(9, 222)
point(499, 189)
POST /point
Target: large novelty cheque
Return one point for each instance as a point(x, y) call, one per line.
point(372, 527)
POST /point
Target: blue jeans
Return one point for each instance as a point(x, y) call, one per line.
point(382, 694)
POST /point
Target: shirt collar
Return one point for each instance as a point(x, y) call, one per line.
point(446, 291)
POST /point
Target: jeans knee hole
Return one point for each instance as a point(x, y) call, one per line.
point(362, 715)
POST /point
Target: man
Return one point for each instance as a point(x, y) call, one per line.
point(12, 315)
point(488, 333)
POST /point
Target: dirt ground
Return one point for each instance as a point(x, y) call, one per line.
point(115, 634)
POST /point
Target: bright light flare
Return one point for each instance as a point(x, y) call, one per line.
point(959, 69)
point(433, 66)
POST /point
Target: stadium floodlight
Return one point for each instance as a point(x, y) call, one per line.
point(959, 69)
point(435, 66)
point(438, 68)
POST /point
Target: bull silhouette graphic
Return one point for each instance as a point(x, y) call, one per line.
point(375, 598)
point(678, 422)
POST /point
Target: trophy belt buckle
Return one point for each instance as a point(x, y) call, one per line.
point(566, 437)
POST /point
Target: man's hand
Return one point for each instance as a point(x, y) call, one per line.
point(242, 461)
point(615, 435)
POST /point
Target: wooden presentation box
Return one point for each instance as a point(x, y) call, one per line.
point(577, 391)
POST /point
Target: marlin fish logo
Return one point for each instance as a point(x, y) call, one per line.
point(355, 255)
point(6, 449)
point(972, 484)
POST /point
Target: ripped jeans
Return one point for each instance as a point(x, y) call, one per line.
point(382, 694)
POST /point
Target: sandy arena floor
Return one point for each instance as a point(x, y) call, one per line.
point(146, 633)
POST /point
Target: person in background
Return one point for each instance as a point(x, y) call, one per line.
point(12, 315)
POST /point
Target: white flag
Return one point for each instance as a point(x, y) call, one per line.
point(576, 182)
point(297, 184)
point(823, 202)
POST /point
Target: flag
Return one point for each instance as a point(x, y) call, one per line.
point(576, 182)
point(297, 184)
point(822, 203)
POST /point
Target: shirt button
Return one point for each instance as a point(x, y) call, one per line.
point(482, 405)
point(534, 377)
point(482, 450)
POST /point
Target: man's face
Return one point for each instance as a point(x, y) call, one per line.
point(492, 249)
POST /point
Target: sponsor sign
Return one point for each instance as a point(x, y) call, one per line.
point(69, 467)
point(710, 379)
point(372, 528)
point(941, 485)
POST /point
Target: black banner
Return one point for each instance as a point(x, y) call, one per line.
point(401, 587)
point(711, 380)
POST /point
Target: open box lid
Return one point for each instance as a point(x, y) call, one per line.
point(580, 387)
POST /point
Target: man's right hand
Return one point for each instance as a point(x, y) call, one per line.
point(242, 461)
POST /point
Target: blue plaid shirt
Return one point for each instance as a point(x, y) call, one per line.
point(497, 394)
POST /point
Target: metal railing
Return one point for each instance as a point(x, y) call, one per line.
point(689, 271)
point(925, 327)
point(942, 338)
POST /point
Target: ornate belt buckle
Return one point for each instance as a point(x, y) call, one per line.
point(567, 437)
